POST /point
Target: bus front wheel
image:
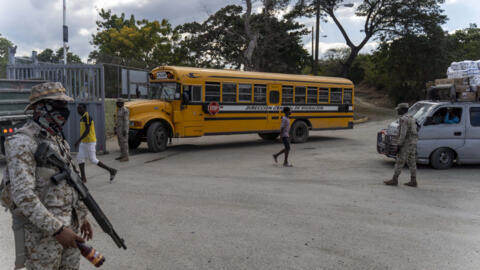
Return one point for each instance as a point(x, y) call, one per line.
point(299, 132)
point(268, 136)
point(157, 137)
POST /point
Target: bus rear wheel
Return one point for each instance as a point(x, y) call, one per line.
point(299, 132)
point(269, 136)
point(157, 137)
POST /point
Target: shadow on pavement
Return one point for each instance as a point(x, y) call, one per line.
point(231, 145)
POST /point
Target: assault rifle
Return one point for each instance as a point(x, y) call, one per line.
point(45, 155)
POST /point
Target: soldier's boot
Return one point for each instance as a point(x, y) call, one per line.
point(124, 159)
point(393, 181)
point(118, 158)
point(413, 182)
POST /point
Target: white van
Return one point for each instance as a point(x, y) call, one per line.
point(448, 132)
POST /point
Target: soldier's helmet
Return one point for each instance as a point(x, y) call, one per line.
point(47, 91)
point(120, 100)
point(402, 106)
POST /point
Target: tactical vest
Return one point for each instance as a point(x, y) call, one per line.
point(6, 200)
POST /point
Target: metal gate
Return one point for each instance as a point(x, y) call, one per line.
point(84, 83)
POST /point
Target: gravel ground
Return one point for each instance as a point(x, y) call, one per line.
point(221, 203)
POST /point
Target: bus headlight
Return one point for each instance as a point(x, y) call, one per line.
point(135, 124)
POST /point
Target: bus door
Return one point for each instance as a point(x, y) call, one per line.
point(274, 108)
point(192, 111)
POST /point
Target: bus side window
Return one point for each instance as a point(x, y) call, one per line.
point(245, 93)
point(212, 91)
point(336, 95)
point(287, 95)
point(260, 94)
point(347, 96)
point(194, 92)
point(323, 95)
point(312, 95)
point(300, 95)
point(229, 92)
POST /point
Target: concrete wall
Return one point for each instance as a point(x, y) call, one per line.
point(110, 109)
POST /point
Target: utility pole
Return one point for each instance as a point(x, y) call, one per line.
point(65, 32)
point(313, 47)
point(317, 38)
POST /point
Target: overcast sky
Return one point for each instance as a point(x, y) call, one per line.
point(37, 24)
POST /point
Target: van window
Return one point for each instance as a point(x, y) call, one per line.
point(475, 116)
point(447, 115)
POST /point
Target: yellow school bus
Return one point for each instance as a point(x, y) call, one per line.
point(191, 102)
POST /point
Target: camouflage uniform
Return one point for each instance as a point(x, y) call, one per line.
point(43, 206)
point(407, 142)
point(121, 126)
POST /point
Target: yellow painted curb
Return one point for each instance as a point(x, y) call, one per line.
point(361, 120)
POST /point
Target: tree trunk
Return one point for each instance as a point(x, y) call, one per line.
point(347, 66)
point(252, 38)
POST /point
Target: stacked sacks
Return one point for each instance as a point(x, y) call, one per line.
point(465, 76)
point(464, 69)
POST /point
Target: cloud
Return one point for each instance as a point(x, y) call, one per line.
point(34, 24)
point(43, 28)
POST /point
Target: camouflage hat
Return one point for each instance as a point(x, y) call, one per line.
point(120, 100)
point(50, 91)
point(402, 106)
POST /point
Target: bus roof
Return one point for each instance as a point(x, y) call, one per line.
point(237, 74)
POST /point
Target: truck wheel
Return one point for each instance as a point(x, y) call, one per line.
point(299, 132)
point(157, 137)
point(442, 158)
point(269, 136)
point(133, 143)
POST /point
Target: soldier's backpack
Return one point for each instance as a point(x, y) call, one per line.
point(18, 219)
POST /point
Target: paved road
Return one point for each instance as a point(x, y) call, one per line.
point(221, 203)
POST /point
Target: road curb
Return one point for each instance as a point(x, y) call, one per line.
point(361, 120)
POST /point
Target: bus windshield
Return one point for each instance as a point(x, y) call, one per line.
point(164, 91)
point(420, 111)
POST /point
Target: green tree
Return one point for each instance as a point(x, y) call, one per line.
point(402, 67)
point(49, 56)
point(4, 44)
point(465, 44)
point(237, 38)
point(142, 43)
point(384, 19)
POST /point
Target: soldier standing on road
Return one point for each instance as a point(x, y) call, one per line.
point(285, 136)
point(46, 217)
point(407, 142)
point(121, 129)
point(87, 143)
